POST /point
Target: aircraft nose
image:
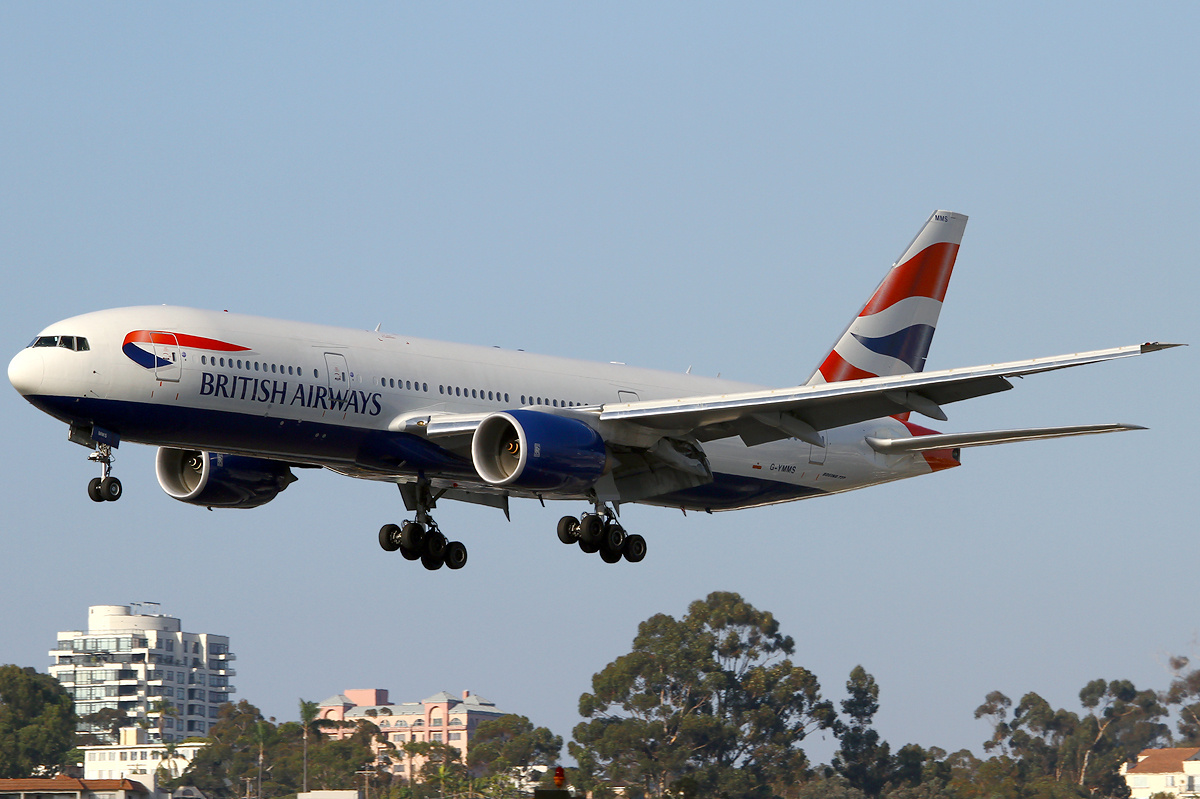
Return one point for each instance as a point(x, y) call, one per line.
point(25, 371)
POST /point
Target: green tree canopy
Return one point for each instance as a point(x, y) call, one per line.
point(1039, 743)
point(512, 742)
point(37, 722)
point(862, 759)
point(707, 705)
point(243, 745)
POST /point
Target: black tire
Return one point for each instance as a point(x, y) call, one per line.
point(412, 536)
point(591, 528)
point(609, 556)
point(431, 563)
point(389, 537)
point(613, 538)
point(110, 489)
point(94, 490)
point(588, 548)
point(634, 548)
point(456, 555)
point(409, 554)
point(568, 529)
point(435, 544)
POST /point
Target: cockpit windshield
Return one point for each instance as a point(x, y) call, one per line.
point(76, 343)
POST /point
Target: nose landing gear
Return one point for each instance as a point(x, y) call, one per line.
point(105, 488)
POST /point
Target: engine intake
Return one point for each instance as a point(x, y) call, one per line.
point(216, 480)
point(538, 451)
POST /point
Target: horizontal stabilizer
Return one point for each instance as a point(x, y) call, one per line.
point(951, 440)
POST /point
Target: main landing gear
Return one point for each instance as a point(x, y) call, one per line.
point(601, 532)
point(421, 539)
point(105, 488)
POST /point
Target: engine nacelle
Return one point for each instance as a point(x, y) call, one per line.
point(216, 480)
point(538, 451)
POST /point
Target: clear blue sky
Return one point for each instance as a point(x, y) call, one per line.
point(701, 185)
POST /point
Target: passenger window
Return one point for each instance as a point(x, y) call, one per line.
point(289, 370)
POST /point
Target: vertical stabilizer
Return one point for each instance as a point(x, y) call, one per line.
point(892, 333)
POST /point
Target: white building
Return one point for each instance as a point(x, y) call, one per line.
point(135, 758)
point(1171, 771)
point(145, 666)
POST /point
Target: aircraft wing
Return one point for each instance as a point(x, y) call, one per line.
point(799, 412)
point(803, 411)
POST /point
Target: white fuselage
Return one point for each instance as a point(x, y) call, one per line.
point(324, 396)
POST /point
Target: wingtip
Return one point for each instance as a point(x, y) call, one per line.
point(1155, 346)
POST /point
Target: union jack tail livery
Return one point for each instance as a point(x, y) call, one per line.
point(891, 334)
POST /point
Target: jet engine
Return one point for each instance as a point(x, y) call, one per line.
point(216, 480)
point(538, 451)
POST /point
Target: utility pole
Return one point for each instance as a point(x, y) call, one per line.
point(366, 785)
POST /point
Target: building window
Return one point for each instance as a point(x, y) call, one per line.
point(456, 736)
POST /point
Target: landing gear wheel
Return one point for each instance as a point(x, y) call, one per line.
point(409, 554)
point(590, 529)
point(110, 489)
point(456, 555)
point(94, 490)
point(588, 548)
point(435, 545)
point(389, 537)
point(412, 536)
point(609, 556)
point(568, 529)
point(634, 548)
point(431, 563)
point(613, 538)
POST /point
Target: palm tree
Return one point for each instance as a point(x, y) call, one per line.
point(162, 707)
point(308, 714)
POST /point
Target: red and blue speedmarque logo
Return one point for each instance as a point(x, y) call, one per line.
point(143, 347)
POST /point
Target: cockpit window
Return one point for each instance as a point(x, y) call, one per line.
point(77, 343)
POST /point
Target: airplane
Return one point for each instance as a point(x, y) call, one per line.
point(235, 402)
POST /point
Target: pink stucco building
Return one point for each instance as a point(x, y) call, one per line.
point(441, 717)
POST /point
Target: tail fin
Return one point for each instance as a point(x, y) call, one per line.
point(892, 333)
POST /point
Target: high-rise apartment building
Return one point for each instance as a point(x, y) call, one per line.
point(143, 665)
